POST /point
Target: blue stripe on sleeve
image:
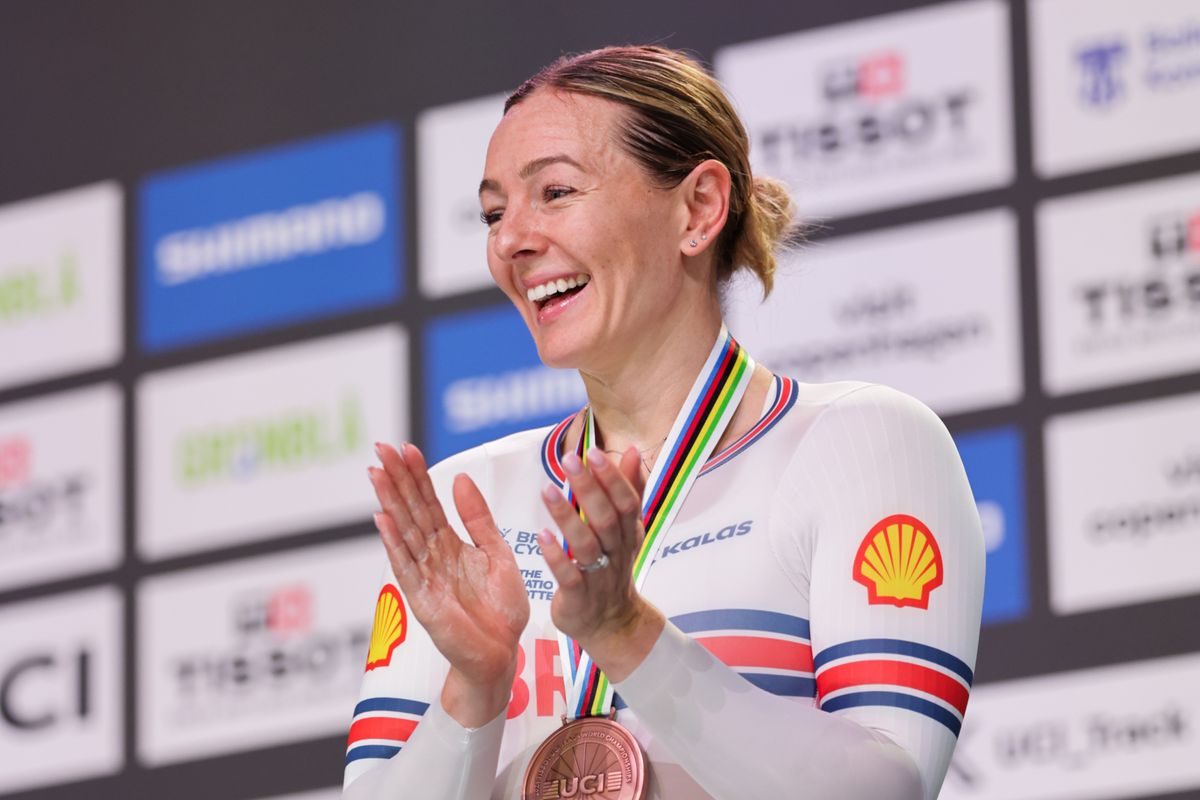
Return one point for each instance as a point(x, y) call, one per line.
point(785, 685)
point(371, 751)
point(397, 704)
point(747, 619)
point(896, 700)
point(901, 647)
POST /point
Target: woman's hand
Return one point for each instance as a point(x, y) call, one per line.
point(471, 600)
point(600, 608)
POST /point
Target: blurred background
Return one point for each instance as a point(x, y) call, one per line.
point(239, 243)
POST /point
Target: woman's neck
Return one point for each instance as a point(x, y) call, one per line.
point(636, 399)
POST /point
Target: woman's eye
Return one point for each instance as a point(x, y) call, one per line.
point(556, 192)
point(489, 218)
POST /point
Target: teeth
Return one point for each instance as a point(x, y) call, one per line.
point(551, 288)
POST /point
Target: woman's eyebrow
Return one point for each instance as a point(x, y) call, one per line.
point(527, 171)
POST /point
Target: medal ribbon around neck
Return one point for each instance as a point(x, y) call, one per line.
point(705, 414)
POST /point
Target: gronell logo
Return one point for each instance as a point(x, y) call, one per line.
point(304, 230)
point(14, 461)
point(292, 440)
point(1175, 236)
point(34, 291)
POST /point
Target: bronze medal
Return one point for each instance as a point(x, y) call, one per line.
point(589, 757)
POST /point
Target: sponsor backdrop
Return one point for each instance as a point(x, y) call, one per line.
point(240, 243)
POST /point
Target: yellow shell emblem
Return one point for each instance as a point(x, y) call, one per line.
point(391, 626)
point(899, 562)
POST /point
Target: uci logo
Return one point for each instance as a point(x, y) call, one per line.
point(72, 674)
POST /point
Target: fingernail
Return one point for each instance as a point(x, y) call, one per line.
point(544, 537)
point(597, 459)
point(379, 450)
point(378, 522)
point(573, 465)
point(401, 451)
point(370, 473)
point(551, 493)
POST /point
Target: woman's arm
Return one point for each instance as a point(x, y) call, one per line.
point(892, 679)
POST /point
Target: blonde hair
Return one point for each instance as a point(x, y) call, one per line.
point(678, 117)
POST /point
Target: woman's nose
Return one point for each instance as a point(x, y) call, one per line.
point(518, 233)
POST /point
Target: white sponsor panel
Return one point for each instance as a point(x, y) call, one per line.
point(60, 283)
point(879, 112)
point(60, 485)
point(452, 144)
point(265, 444)
point(61, 712)
point(1130, 730)
point(1123, 496)
point(259, 652)
point(1119, 273)
point(930, 309)
point(1113, 82)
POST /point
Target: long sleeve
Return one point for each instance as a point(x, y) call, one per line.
point(875, 521)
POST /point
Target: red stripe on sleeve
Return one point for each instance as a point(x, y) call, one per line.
point(756, 651)
point(894, 673)
point(382, 728)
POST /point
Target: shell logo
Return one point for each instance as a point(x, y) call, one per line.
point(391, 626)
point(899, 562)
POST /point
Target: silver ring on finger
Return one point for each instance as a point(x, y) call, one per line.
point(599, 564)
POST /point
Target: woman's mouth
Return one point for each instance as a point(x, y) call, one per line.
point(556, 292)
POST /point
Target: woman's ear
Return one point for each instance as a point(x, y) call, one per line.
point(705, 194)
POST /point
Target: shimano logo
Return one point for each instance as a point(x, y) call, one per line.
point(303, 230)
point(510, 397)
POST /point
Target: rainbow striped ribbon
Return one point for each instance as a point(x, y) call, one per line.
point(698, 427)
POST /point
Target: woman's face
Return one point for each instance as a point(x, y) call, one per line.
point(566, 207)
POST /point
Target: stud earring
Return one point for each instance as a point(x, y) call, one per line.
point(704, 236)
point(693, 243)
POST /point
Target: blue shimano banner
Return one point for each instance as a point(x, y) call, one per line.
point(268, 238)
point(995, 464)
point(483, 380)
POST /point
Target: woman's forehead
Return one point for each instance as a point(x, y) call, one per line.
point(550, 122)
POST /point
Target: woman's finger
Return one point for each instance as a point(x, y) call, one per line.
point(396, 510)
point(406, 487)
point(564, 570)
point(477, 518)
point(415, 460)
point(625, 501)
point(584, 545)
point(404, 565)
point(598, 509)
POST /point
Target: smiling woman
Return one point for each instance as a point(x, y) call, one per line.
point(754, 588)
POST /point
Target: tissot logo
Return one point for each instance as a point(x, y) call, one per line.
point(295, 232)
point(60, 683)
point(880, 111)
point(59, 485)
point(1121, 283)
point(257, 652)
point(40, 291)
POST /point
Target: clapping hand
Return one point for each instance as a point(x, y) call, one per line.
point(470, 599)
